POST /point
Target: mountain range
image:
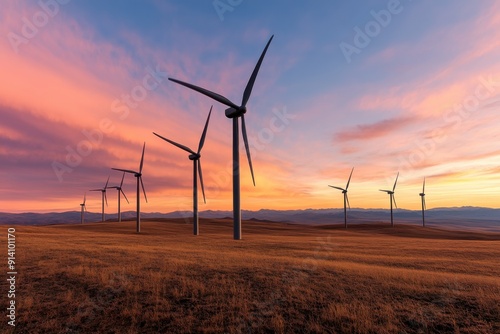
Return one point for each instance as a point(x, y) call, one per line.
point(454, 217)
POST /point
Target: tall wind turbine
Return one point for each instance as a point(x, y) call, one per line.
point(422, 196)
point(235, 112)
point(346, 199)
point(195, 157)
point(120, 191)
point(84, 208)
point(104, 197)
point(391, 198)
point(138, 175)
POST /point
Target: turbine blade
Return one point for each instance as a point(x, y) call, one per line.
point(387, 191)
point(182, 147)
point(337, 188)
point(106, 198)
point(142, 157)
point(121, 190)
point(95, 190)
point(84, 198)
point(201, 181)
point(423, 187)
point(393, 188)
point(251, 81)
point(143, 190)
point(349, 181)
point(423, 200)
point(348, 204)
point(245, 139)
point(123, 177)
point(202, 139)
point(106, 185)
point(215, 96)
point(394, 200)
point(124, 170)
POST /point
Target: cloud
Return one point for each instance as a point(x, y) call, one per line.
point(375, 130)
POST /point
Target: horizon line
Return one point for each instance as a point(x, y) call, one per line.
point(262, 209)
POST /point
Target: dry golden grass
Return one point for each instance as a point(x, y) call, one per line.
point(105, 278)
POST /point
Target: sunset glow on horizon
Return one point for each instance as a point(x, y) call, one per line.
point(85, 84)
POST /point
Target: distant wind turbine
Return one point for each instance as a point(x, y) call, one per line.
point(104, 197)
point(391, 198)
point(120, 191)
point(195, 156)
point(138, 175)
point(422, 196)
point(346, 199)
point(234, 111)
point(84, 208)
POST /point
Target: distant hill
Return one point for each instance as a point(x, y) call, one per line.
point(455, 217)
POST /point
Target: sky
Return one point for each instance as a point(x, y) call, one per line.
point(410, 86)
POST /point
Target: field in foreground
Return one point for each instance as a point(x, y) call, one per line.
point(105, 278)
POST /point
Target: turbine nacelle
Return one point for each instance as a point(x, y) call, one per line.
point(422, 194)
point(196, 156)
point(233, 112)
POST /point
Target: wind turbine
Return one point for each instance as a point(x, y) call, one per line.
point(84, 208)
point(120, 191)
point(195, 157)
point(234, 111)
point(104, 197)
point(138, 175)
point(346, 199)
point(422, 196)
point(392, 199)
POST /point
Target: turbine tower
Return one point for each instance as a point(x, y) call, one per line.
point(391, 198)
point(120, 191)
point(235, 112)
point(195, 157)
point(138, 175)
point(422, 196)
point(104, 197)
point(84, 208)
point(346, 199)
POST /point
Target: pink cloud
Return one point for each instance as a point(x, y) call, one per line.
point(374, 130)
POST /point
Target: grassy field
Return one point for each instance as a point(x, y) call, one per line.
point(105, 278)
